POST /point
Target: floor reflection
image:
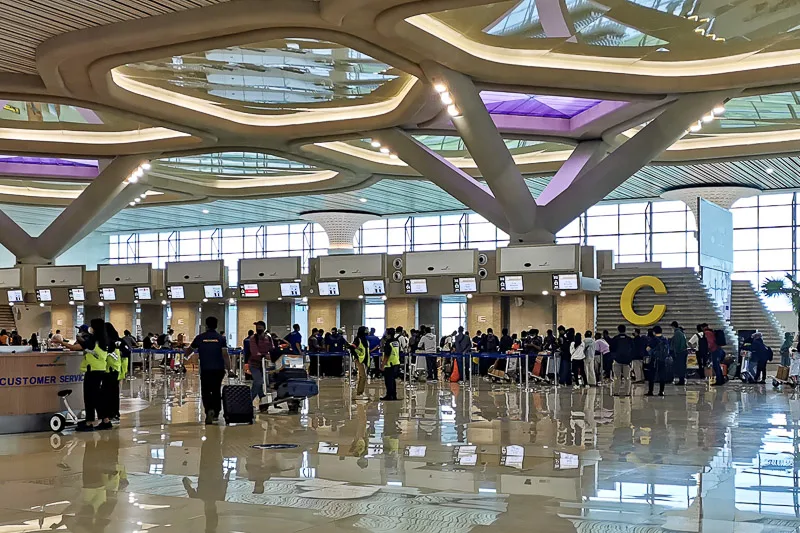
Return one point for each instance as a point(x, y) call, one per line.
point(444, 459)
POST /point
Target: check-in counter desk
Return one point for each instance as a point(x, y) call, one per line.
point(29, 386)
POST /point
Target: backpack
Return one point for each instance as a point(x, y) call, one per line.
point(660, 351)
point(719, 337)
point(624, 350)
point(162, 339)
point(492, 343)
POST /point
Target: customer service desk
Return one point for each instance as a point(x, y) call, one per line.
point(29, 386)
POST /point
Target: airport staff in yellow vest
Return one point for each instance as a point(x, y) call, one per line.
point(391, 365)
point(361, 347)
point(95, 348)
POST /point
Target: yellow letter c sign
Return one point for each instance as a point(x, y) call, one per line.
point(628, 294)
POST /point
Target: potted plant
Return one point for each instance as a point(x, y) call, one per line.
point(786, 286)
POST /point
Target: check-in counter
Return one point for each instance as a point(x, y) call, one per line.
point(29, 386)
point(195, 291)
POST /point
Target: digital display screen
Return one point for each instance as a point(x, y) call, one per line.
point(565, 282)
point(44, 295)
point(328, 288)
point(510, 283)
point(290, 289)
point(143, 293)
point(175, 292)
point(108, 293)
point(415, 451)
point(327, 448)
point(416, 286)
point(565, 461)
point(77, 294)
point(15, 295)
point(213, 291)
point(249, 290)
point(374, 287)
point(465, 285)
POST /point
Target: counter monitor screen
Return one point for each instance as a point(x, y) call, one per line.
point(374, 287)
point(415, 451)
point(77, 294)
point(143, 293)
point(175, 292)
point(566, 461)
point(15, 296)
point(329, 288)
point(416, 286)
point(108, 294)
point(44, 295)
point(213, 291)
point(290, 289)
point(465, 285)
point(510, 283)
point(565, 282)
point(249, 290)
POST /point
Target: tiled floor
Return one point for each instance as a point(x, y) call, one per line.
point(440, 461)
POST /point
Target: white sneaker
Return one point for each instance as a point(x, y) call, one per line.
point(362, 397)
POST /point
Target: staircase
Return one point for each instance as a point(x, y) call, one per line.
point(749, 312)
point(7, 321)
point(687, 300)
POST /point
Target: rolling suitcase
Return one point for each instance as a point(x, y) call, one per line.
point(237, 405)
point(298, 388)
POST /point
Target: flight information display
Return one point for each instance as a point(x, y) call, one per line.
point(565, 282)
point(510, 283)
point(142, 293)
point(290, 289)
point(328, 288)
point(175, 292)
point(374, 287)
point(77, 294)
point(416, 286)
point(465, 285)
point(213, 291)
point(108, 293)
point(15, 296)
point(44, 295)
point(249, 290)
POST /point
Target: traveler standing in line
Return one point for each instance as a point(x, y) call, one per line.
point(640, 343)
point(601, 349)
point(261, 346)
point(700, 344)
point(680, 349)
point(565, 365)
point(786, 349)
point(361, 344)
point(374, 352)
point(589, 365)
point(390, 364)
point(658, 354)
point(214, 365)
point(462, 346)
point(95, 354)
point(427, 345)
point(622, 351)
point(761, 353)
point(715, 352)
point(577, 352)
point(295, 340)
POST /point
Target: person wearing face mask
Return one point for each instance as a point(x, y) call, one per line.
point(260, 348)
point(95, 349)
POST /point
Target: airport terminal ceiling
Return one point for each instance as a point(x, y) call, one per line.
point(262, 110)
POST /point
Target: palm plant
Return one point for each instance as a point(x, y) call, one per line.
point(786, 286)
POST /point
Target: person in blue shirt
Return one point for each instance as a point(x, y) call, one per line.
point(214, 365)
point(374, 351)
point(295, 340)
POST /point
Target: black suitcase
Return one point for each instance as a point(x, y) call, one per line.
point(237, 405)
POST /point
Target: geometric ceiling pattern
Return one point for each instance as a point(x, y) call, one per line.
point(272, 108)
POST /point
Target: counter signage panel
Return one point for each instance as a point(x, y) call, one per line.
point(213, 291)
point(15, 295)
point(416, 286)
point(175, 292)
point(329, 288)
point(249, 290)
point(108, 294)
point(374, 287)
point(565, 282)
point(510, 283)
point(290, 289)
point(465, 285)
point(78, 294)
point(143, 293)
point(44, 295)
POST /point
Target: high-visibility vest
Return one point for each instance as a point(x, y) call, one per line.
point(361, 351)
point(394, 356)
point(95, 359)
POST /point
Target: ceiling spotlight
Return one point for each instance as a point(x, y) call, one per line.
point(440, 87)
point(362, 200)
point(375, 144)
point(770, 170)
point(146, 166)
point(205, 211)
point(279, 298)
point(383, 297)
point(101, 304)
point(708, 118)
point(136, 301)
point(71, 302)
point(133, 178)
point(231, 301)
point(453, 110)
point(11, 304)
point(137, 200)
point(469, 296)
point(305, 298)
point(718, 109)
point(392, 156)
point(384, 150)
point(695, 127)
point(139, 172)
point(143, 196)
point(446, 98)
point(205, 300)
point(545, 293)
point(360, 296)
point(163, 302)
point(131, 204)
point(42, 304)
point(563, 293)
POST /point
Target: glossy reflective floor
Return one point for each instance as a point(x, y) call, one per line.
point(442, 460)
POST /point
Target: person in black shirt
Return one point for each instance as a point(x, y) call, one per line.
point(147, 342)
point(506, 342)
point(214, 364)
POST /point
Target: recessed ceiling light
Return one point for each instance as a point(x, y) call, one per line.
point(146, 166)
point(453, 111)
point(440, 87)
point(446, 98)
point(563, 293)
point(383, 297)
point(360, 296)
point(205, 300)
point(695, 127)
point(708, 118)
point(137, 200)
point(469, 296)
point(375, 144)
point(770, 170)
point(131, 204)
point(163, 302)
point(384, 150)
point(143, 196)
point(392, 156)
point(362, 200)
point(133, 178)
point(662, 49)
point(545, 293)
point(71, 302)
point(42, 304)
point(279, 298)
point(719, 109)
point(205, 211)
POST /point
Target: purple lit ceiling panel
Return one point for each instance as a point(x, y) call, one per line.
point(531, 105)
point(48, 166)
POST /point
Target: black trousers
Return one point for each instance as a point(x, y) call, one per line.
point(608, 361)
point(110, 390)
point(579, 370)
point(680, 366)
point(761, 371)
point(390, 380)
point(654, 376)
point(211, 389)
point(93, 395)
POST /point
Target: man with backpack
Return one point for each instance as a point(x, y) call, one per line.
point(622, 349)
point(680, 351)
point(658, 361)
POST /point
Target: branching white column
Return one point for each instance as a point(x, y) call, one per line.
point(722, 195)
point(341, 227)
